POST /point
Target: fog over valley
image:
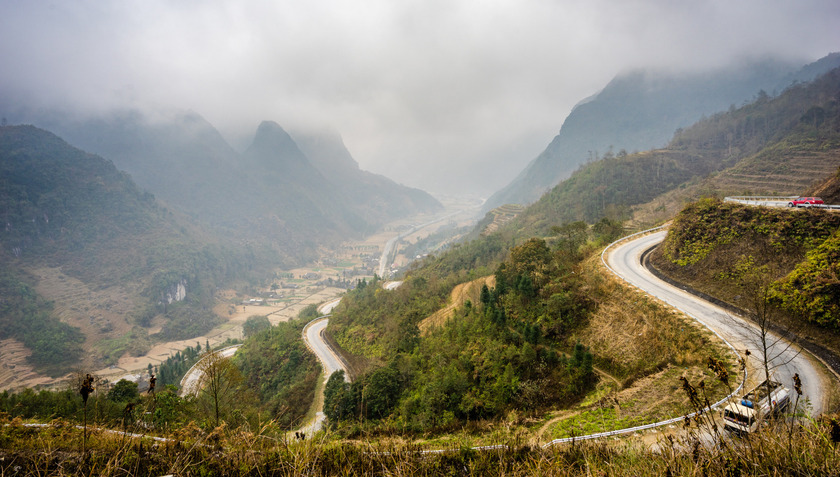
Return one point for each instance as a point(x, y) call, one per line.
point(443, 96)
point(421, 237)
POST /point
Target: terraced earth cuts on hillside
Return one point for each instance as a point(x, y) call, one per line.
point(15, 372)
point(501, 216)
point(787, 174)
point(102, 314)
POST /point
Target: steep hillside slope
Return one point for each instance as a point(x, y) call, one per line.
point(774, 141)
point(93, 251)
point(777, 261)
point(641, 110)
point(184, 161)
point(292, 189)
point(179, 157)
point(828, 190)
point(376, 198)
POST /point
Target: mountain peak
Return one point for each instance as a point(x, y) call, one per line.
point(273, 146)
point(271, 136)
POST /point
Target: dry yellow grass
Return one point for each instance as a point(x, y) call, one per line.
point(460, 294)
point(637, 335)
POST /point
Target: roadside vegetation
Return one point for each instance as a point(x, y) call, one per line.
point(55, 450)
point(279, 369)
point(537, 330)
point(722, 249)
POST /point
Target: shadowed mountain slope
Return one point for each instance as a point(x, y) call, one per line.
point(770, 146)
point(640, 111)
point(94, 253)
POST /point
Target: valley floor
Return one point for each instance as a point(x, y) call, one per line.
point(15, 373)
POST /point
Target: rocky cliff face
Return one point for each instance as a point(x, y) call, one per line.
point(176, 292)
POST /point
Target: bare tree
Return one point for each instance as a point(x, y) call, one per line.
point(220, 384)
point(773, 339)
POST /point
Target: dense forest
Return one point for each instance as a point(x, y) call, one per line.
point(511, 348)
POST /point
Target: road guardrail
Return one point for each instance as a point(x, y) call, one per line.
point(773, 201)
point(192, 368)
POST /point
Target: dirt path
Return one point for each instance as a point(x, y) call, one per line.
point(560, 415)
point(609, 376)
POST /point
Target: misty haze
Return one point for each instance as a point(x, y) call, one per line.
point(284, 229)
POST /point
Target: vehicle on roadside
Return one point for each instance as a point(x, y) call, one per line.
point(805, 202)
point(747, 414)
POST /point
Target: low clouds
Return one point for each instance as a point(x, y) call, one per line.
point(474, 89)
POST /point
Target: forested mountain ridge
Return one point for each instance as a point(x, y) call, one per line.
point(293, 190)
point(79, 233)
point(641, 110)
point(185, 162)
point(781, 143)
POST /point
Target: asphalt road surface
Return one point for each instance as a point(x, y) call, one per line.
point(625, 257)
point(190, 381)
point(314, 338)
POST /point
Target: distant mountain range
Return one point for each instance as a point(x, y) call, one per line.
point(641, 110)
point(784, 145)
point(122, 258)
point(273, 190)
point(87, 256)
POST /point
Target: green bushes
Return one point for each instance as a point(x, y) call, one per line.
point(504, 352)
point(812, 289)
point(709, 224)
point(279, 368)
point(173, 369)
point(55, 346)
point(712, 244)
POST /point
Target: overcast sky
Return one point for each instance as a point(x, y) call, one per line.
point(416, 88)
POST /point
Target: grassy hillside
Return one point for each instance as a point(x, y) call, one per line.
point(828, 190)
point(727, 249)
point(541, 338)
point(109, 258)
point(776, 145)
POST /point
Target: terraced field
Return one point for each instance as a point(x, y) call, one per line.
point(99, 313)
point(15, 373)
point(502, 215)
point(790, 175)
point(460, 294)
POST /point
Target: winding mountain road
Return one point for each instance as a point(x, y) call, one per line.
point(625, 260)
point(313, 336)
point(192, 379)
